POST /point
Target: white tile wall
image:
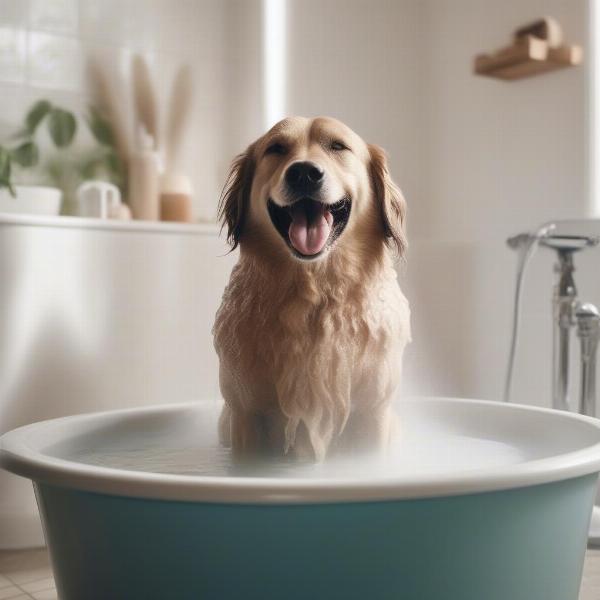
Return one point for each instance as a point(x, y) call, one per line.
point(55, 62)
point(59, 16)
point(13, 53)
point(14, 12)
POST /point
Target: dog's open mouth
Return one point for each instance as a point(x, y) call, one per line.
point(308, 226)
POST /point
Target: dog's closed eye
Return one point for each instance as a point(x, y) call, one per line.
point(276, 148)
point(338, 146)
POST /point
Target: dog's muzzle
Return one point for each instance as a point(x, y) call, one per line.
point(310, 227)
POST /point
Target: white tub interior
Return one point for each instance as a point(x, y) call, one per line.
point(186, 444)
point(444, 446)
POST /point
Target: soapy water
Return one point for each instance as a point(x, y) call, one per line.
point(413, 455)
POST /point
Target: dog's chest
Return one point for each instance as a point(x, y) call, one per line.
point(299, 344)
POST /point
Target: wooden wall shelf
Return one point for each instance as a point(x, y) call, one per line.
point(537, 48)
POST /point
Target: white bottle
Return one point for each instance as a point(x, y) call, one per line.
point(143, 182)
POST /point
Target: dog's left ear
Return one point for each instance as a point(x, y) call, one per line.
point(390, 199)
point(235, 197)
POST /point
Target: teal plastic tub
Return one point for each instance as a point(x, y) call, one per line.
point(477, 501)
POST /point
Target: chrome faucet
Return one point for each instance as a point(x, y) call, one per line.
point(565, 294)
point(567, 313)
point(588, 330)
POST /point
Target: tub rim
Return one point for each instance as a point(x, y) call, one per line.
point(22, 458)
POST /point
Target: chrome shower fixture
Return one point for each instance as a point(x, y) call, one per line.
point(588, 331)
point(525, 244)
point(527, 239)
point(568, 243)
point(569, 312)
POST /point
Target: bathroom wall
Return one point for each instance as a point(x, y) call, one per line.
point(361, 63)
point(45, 46)
point(496, 158)
point(478, 160)
point(349, 60)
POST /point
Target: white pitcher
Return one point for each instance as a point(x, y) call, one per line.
point(101, 200)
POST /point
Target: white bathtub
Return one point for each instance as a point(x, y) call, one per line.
point(99, 315)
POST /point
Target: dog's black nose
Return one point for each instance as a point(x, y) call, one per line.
point(304, 177)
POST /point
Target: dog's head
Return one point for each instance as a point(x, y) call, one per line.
point(309, 186)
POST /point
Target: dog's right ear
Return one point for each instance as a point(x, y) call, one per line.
point(235, 196)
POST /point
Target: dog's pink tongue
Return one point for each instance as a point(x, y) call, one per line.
point(309, 238)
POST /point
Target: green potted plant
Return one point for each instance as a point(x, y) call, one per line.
point(62, 172)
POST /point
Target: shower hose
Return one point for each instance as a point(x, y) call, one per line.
point(525, 244)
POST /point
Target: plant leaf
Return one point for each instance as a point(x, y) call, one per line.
point(100, 128)
point(8, 185)
point(89, 167)
point(37, 112)
point(114, 163)
point(105, 164)
point(5, 171)
point(4, 165)
point(26, 155)
point(62, 126)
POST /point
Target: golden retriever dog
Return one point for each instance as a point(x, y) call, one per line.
point(312, 326)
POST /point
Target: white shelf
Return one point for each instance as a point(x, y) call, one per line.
point(208, 229)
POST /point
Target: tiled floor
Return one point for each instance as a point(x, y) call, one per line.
point(26, 575)
point(590, 586)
